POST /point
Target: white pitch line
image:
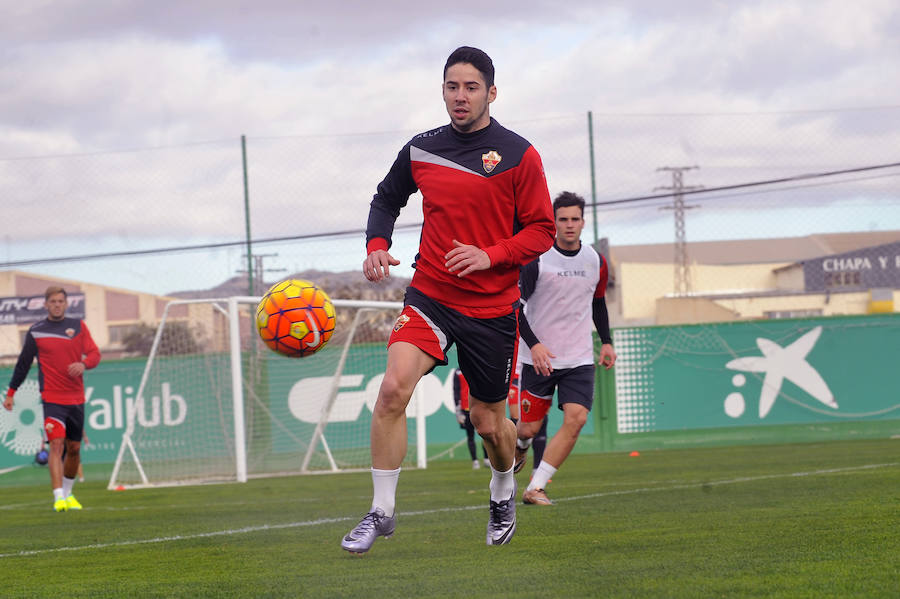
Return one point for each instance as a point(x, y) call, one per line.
point(264, 527)
point(16, 506)
point(732, 481)
point(202, 535)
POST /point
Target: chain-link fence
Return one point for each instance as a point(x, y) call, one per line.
point(168, 219)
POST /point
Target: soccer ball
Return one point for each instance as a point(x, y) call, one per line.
point(295, 318)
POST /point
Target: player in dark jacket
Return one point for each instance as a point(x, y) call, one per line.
point(64, 350)
point(486, 212)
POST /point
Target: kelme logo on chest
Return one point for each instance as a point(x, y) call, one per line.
point(490, 160)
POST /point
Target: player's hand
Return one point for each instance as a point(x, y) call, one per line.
point(8, 402)
point(466, 259)
point(607, 356)
point(75, 369)
point(377, 265)
point(540, 357)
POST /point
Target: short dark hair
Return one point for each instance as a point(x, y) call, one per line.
point(475, 57)
point(53, 290)
point(566, 199)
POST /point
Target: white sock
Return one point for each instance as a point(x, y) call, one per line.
point(543, 473)
point(524, 443)
point(58, 494)
point(67, 485)
point(502, 484)
point(384, 484)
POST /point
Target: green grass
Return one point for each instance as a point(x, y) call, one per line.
point(806, 520)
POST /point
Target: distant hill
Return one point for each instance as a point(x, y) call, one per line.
point(338, 285)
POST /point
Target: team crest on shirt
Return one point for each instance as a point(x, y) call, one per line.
point(70, 332)
point(490, 160)
point(400, 322)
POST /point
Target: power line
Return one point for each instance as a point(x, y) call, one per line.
point(664, 201)
point(411, 226)
point(558, 117)
point(753, 112)
point(192, 248)
point(791, 179)
point(216, 142)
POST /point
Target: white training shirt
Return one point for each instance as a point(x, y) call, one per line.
point(559, 310)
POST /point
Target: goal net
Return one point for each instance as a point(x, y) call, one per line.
point(214, 404)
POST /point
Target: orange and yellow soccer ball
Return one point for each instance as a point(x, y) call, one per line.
point(295, 318)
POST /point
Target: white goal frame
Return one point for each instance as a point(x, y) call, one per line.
point(230, 308)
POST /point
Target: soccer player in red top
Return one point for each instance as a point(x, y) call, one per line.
point(486, 212)
point(64, 350)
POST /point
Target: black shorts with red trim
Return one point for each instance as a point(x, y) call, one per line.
point(574, 385)
point(63, 421)
point(486, 347)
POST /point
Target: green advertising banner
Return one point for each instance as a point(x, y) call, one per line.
point(748, 374)
point(296, 394)
point(109, 389)
point(195, 395)
point(297, 391)
point(668, 380)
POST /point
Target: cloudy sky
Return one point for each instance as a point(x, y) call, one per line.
point(120, 120)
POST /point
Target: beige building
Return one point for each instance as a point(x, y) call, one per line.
point(817, 275)
point(110, 313)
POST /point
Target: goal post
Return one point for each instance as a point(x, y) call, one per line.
point(214, 404)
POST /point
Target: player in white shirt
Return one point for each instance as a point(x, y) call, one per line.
point(564, 293)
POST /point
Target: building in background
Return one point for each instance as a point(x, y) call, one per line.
point(110, 313)
point(817, 275)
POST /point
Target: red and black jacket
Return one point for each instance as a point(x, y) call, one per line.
point(486, 189)
point(56, 344)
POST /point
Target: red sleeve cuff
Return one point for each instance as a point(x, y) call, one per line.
point(376, 243)
point(496, 253)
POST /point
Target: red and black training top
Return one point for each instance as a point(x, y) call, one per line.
point(56, 344)
point(486, 188)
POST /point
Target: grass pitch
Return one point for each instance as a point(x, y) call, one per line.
point(806, 520)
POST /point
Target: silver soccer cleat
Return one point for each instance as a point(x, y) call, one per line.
point(373, 525)
point(502, 523)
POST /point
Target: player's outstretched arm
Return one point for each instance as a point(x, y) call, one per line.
point(466, 259)
point(377, 265)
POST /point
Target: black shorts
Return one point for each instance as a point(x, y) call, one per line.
point(63, 420)
point(575, 385)
point(486, 347)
